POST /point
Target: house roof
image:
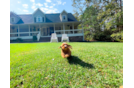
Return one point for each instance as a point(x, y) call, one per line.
point(13, 14)
point(37, 10)
point(63, 12)
point(50, 18)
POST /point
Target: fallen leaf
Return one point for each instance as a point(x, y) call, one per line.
point(22, 86)
point(90, 82)
point(46, 77)
point(121, 86)
point(121, 70)
point(16, 85)
point(99, 70)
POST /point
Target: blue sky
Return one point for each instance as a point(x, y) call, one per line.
point(47, 6)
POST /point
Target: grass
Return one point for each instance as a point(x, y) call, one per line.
point(92, 65)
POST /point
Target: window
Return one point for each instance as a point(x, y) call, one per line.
point(12, 19)
point(39, 19)
point(64, 17)
point(13, 29)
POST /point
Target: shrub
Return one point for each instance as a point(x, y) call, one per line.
point(34, 38)
point(88, 36)
point(103, 36)
point(99, 36)
point(117, 36)
point(19, 40)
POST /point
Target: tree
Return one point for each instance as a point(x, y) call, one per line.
point(90, 22)
point(97, 13)
point(88, 17)
point(112, 14)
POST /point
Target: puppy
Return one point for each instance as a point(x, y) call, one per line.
point(65, 50)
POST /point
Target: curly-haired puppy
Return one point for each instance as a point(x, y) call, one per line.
point(65, 50)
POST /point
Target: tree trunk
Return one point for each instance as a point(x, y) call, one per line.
point(120, 4)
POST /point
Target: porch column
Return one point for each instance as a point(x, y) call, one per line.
point(29, 30)
point(39, 29)
point(54, 28)
point(18, 32)
point(73, 28)
point(64, 28)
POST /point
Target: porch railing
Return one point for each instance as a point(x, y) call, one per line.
point(38, 36)
point(75, 31)
point(25, 35)
point(20, 34)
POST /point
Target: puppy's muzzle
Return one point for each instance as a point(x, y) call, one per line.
point(65, 46)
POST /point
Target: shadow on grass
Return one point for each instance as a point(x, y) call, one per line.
point(75, 60)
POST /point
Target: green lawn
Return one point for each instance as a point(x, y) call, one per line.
point(92, 65)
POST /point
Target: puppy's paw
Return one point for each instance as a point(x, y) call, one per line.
point(63, 56)
point(66, 55)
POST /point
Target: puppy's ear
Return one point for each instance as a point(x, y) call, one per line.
point(69, 46)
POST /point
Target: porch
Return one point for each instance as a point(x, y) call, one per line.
point(44, 30)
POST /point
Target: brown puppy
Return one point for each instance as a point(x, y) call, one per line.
point(65, 50)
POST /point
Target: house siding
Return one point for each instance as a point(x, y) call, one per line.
point(16, 19)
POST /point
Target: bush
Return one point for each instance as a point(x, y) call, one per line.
point(19, 40)
point(117, 36)
point(88, 36)
point(34, 38)
point(103, 36)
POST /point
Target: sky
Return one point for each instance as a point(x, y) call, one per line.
point(47, 6)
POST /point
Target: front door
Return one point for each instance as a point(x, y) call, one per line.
point(51, 30)
point(44, 31)
point(47, 31)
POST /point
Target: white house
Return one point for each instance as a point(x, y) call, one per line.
point(28, 25)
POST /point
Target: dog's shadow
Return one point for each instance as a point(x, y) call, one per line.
point(75, 60)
